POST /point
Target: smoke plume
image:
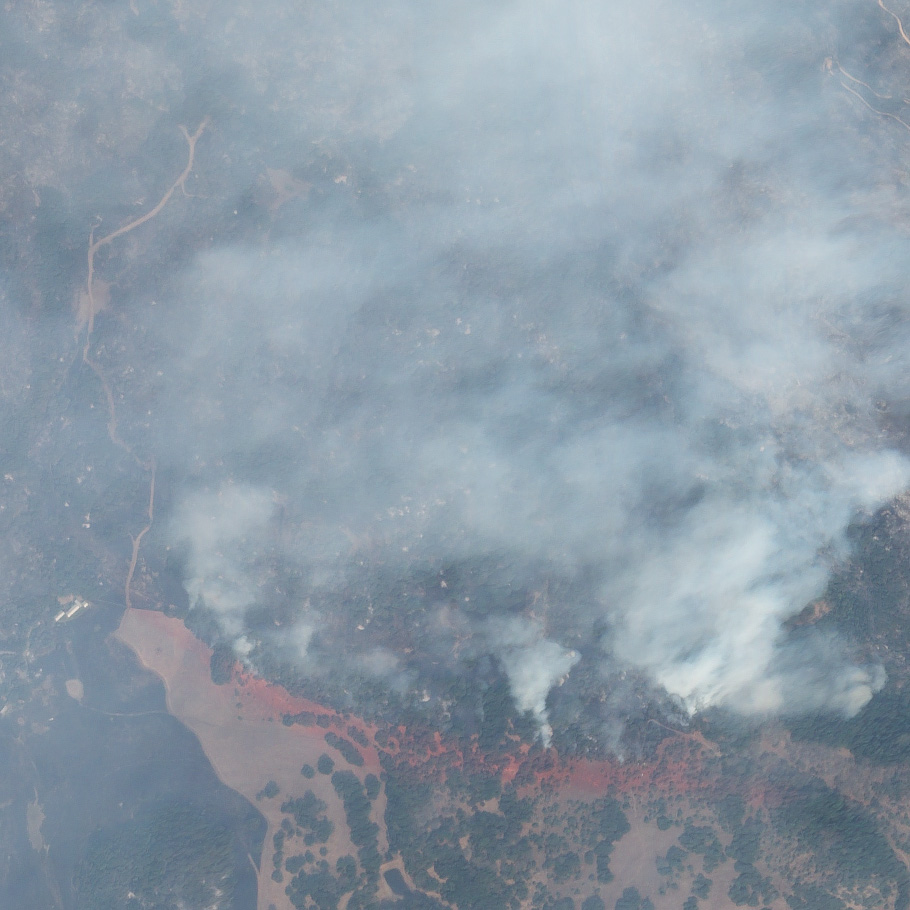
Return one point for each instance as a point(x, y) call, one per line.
point(569, 336)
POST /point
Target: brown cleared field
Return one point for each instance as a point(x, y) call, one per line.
point(239, 727)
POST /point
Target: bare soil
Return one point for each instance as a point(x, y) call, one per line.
point(239, 727)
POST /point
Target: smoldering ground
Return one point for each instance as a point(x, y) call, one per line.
point(557, 334)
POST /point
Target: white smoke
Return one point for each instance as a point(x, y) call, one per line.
point(705, 616)
point(578, 294)
point(533, 665)
point(222, 531)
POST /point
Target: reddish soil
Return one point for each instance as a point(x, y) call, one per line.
point(240, 730)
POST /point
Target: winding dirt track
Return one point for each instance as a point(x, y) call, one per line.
point(897, 19)
point(89, 305)
point(87, 310)
point(830, 64)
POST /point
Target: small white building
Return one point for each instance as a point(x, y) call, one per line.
point(78, 604)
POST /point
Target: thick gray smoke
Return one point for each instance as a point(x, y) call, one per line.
point(559, 333)
point(579, 303)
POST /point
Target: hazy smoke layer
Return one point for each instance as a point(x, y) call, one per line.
point(582, 301)
point(567, 334)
